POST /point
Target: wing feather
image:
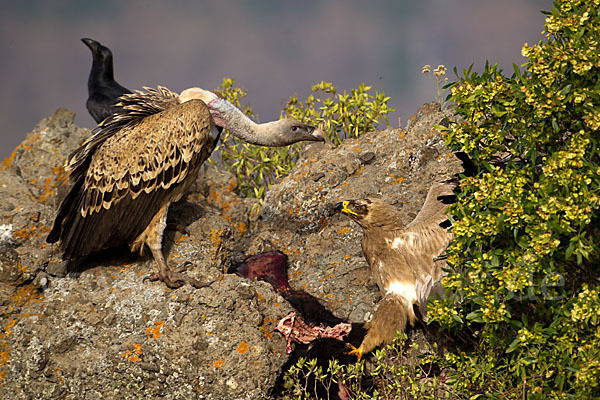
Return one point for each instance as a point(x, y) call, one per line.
point(132, 174)
point(434, 208)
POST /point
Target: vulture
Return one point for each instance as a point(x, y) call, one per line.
point(143, 158)
point(401, 258)
point(103, 90)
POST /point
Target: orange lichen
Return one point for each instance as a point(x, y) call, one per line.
point(218, 364)
point(26, 145)
point(331, 275)
point(343, 230)
point(155, 332)
point(265, 328)
point(243, 347)
point(396, 179)
point(242, 227)
point(133, 355)
point(48, 190)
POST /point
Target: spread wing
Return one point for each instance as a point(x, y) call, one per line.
point(133, 166)
point(402, 260)
point(436, 202)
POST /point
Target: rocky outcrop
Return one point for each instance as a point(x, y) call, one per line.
point(103, 332)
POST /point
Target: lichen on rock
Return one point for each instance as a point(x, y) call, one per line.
point(103, 332)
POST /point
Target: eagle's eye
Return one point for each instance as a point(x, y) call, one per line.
point(295, 128)
point(361, 209)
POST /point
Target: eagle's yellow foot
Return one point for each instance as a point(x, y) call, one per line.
point(358, 352)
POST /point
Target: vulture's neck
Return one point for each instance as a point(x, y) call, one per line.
point(231, 118)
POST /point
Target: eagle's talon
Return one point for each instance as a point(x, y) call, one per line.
point(355, 351)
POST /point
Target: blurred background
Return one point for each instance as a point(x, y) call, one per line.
point(273, 49)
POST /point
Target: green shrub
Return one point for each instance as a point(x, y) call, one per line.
point(340, 116)
point(391, 377)
point(524, 276)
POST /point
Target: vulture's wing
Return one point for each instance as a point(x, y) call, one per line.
point(131, 174)
point(133, 108)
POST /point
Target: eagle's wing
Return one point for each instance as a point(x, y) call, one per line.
point(436, 202)
point(135, 171)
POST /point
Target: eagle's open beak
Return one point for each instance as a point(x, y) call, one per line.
point(343, 207)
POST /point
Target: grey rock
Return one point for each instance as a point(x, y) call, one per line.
point(103, 332)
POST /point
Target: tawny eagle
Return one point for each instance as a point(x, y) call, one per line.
point(402, 258)
point(142, 159)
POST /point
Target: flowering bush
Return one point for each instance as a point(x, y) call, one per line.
point(524, 276)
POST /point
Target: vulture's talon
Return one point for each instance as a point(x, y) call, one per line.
point(183, 267)
point(152, 278)
point(171, 226)
point(172, 279)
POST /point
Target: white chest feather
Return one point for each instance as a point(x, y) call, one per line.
point(404, 289)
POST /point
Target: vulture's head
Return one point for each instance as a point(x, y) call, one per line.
point(370, 213)
point(282, 132)
point(101, 54)
point(288, 131)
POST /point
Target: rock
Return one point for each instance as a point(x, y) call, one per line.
point(103, 332)
point(323, 247)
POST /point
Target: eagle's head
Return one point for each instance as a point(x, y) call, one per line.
point(370, 213)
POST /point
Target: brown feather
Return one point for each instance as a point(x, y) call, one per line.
point(120, 173)
point(401, 258)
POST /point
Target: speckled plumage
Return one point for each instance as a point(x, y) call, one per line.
point(401, 259)
point(143, 158)
point(138, 162)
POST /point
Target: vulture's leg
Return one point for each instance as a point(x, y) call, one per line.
point(152, 237)
point(170, 278)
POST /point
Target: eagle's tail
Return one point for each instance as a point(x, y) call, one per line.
point(392, 315)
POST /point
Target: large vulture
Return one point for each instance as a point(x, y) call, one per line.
point(402, 259)
point(142, 159)
point(103, 90)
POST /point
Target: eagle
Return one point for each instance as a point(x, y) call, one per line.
point(145, 157)
point(401, 258)
point(103, 90)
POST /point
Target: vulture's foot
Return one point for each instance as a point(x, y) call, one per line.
point(172, 279)
point(175, 279)
point(172, 226)
point(194, 282)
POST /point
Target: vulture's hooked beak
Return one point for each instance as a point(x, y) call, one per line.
point(317, 134)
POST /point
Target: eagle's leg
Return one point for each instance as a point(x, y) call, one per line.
point(392, 315)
